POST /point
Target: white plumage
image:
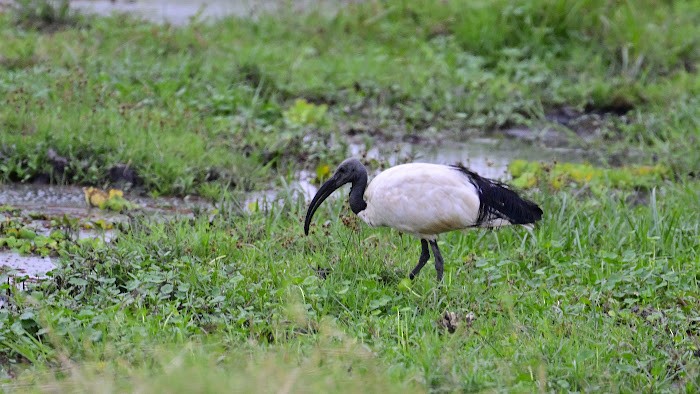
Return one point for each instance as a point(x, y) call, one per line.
point(426, 200)
point(421, 199)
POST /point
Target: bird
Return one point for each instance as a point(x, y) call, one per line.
point(425, 200)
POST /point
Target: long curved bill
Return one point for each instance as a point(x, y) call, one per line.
point(326, 190)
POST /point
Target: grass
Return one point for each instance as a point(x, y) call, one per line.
point(186, 106)
point(354, 369)
point(600, 297)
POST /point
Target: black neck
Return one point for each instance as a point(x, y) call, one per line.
point(357, 191)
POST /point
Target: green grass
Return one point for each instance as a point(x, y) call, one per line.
point(197, 104)
point(600, 297)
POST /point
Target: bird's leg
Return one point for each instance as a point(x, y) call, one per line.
point(424, 256)
point(439, 262)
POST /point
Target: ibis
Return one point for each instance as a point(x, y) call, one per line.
point(426, 200)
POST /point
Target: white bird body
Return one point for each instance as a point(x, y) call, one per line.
point(421, 199)
point(426, 200)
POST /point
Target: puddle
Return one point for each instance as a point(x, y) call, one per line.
point(181, 12)
point(105, 235)
point(52, 202)
point(488, 157)
point(34, 267)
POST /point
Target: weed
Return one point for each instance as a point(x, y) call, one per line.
point(45, 15)
point(529, 174)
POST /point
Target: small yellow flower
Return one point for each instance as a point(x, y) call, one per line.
point(95, 197)
point(115, 193)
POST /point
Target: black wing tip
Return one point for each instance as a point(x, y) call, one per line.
point(500, 200)
point(534, 210)
point(537, 211)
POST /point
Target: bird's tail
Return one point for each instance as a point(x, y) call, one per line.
point(500, 205)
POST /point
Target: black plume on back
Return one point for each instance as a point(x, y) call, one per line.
point(499, 201)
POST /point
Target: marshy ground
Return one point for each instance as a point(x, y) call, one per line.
point(217, 129)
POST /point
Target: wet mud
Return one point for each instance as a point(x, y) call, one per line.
point(37, 208)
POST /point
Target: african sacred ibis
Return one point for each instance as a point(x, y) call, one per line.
point(426, 200)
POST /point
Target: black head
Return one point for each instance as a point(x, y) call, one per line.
point(349, 171)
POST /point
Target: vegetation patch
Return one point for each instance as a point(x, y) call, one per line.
point(558, 175)
point(44, 15)
point(39, 234)
point(113, 199)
